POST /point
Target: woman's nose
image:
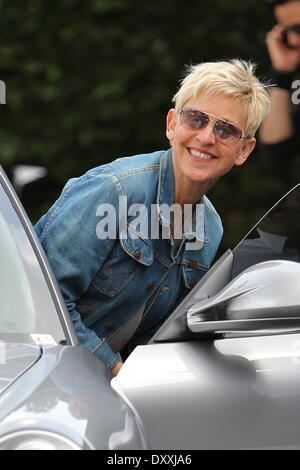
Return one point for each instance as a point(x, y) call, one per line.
point(206, 135)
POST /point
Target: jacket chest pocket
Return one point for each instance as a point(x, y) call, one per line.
point(121, 266)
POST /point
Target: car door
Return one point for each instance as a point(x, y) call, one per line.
point(234, 386)
point(31, 304)
point(54, 394)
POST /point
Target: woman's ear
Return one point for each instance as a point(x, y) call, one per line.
point(247, 148)
point(170, 124)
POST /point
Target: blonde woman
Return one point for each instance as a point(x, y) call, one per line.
point(128, 240)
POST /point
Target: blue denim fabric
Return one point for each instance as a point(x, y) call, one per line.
point(105, 282)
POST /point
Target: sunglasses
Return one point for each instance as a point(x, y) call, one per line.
point(223, 130)
point(294, 27)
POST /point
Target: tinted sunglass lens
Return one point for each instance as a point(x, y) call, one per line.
point(226, 131)
point(195, 119)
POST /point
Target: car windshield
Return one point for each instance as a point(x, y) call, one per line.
point(26, 306)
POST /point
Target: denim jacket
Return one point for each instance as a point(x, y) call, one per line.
point(125, 282)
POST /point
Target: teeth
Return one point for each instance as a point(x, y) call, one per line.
point(197, 154)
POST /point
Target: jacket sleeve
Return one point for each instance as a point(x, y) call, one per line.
point(68, 233)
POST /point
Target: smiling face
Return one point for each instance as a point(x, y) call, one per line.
point(199, 158)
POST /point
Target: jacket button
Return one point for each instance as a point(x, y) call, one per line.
point(193, 283)
point(193, 264)
point(150, 286)
point(110, 328)
point(137, 254)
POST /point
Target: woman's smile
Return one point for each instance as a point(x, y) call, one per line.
point(200, 155)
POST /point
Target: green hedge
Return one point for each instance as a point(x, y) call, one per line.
point(88, 81)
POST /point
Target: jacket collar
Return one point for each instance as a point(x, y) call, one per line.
point(141, 249)
point(194, 225)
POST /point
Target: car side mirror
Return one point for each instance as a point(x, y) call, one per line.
point(264, 297)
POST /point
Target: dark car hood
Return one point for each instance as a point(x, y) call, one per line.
point(15, 359)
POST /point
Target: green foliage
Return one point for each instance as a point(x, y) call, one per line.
point(88, 81)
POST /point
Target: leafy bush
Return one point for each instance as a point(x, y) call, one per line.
point(88, 81)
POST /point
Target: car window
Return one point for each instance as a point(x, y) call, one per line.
point(16, 311)
point(276, 235)
point(26, 305)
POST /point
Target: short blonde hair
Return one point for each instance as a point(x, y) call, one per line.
point(233, 78)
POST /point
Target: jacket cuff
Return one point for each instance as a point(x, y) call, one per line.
point(106, 354)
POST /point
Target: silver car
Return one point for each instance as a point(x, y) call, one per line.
point(53, 393)
point(223, 372)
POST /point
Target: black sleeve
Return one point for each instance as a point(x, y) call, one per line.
point(285, 149)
